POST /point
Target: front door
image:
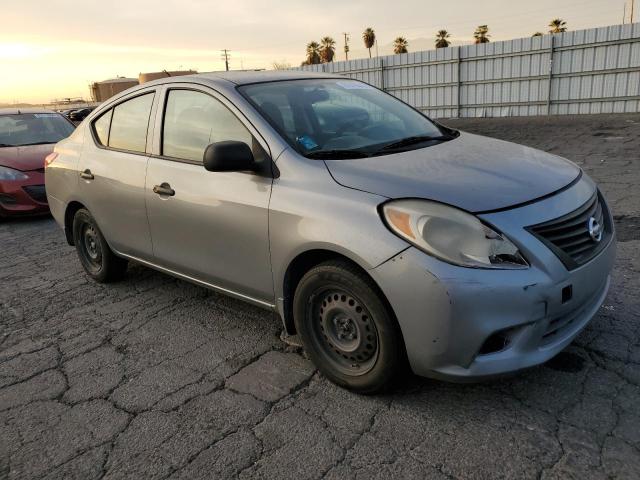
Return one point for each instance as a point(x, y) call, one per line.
point(211, 226)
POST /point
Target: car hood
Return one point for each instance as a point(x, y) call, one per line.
point(471, 172)
point(29, 157)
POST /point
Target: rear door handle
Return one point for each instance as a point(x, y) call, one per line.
point(164, 189)
point(87, 175)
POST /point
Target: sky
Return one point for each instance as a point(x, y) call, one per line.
point(53, 49)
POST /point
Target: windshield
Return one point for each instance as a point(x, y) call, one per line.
point(341, 118)
point(33, 129)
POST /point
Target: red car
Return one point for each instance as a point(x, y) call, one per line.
point(27, 136)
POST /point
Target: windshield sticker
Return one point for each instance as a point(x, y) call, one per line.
point(45, 115)
point(307, 142)
point(354, 85)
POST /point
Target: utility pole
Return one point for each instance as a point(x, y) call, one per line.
point(226, 54)
point(632, 3)
point(346, 45)
point(624, 12)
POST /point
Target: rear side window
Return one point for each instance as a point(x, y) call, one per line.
point(129, 124)
point(101, 126)
point(193, 120)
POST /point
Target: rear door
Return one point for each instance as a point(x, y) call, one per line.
point(112, 173)
point(214, 225)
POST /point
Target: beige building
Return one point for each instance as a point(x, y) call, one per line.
point(101, 91)
point(147, 77)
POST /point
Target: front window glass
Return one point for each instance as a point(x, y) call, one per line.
point(33, 129)
point(129, 124)
point(194, 120)
point(335, 116)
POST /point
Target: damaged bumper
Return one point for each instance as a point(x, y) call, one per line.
point(466, 324)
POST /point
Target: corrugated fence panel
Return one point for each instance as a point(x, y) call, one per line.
point(585, 71)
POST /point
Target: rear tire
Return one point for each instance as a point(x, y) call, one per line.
point(347, 329)
point(96, 257)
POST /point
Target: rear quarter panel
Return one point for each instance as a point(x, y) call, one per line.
point(61, 177)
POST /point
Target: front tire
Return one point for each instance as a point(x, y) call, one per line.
point(94, 253)
point(346, 327)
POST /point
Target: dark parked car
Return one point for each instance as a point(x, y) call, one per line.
point(67, 111)
point(27, 136)
point(80, 114)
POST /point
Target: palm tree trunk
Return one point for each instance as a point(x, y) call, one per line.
point(369, 52)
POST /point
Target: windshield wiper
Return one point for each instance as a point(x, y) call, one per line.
point(405, 142)
point(336, 154)
point(6, 145)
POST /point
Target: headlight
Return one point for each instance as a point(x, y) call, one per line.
point(11, 174)
point(451, 234)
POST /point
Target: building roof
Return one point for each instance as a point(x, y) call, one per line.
point(119, 80)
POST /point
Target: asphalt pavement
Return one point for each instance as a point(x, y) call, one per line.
point(156, 378)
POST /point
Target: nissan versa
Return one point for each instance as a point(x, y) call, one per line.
point(378, 235)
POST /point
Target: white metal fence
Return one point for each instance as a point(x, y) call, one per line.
point(585, 71)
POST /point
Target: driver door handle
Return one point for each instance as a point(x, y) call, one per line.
point(87, 175)
point(164, 189)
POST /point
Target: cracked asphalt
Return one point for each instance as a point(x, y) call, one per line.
point(155, 378)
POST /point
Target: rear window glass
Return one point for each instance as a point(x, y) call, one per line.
point(129, 124)
point(101, 126)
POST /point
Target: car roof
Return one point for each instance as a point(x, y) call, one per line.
point(18, 111)
point(243, 77)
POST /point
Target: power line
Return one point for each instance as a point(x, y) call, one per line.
point(226, 54)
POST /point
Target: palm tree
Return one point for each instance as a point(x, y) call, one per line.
point(557, 25)
point(537, 34)
point(327, 49)
point(313, 53)
point(369, 37)
point(441, 39)
point(400, 45)
point(481, 35)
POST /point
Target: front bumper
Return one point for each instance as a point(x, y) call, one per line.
point(450, 316)
point(24, 197)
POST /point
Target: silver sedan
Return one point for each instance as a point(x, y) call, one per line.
point(380, 237)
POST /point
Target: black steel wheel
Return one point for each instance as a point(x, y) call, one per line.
point(347, 328)
point(94, 253)
point(344, 330)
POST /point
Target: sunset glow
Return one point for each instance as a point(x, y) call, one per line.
point(56, 53)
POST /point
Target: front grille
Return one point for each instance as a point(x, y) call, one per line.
point(569, 237)
point(37, 192)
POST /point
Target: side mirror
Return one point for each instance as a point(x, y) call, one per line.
point(228, 156)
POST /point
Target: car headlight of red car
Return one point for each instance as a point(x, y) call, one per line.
point(7, 173)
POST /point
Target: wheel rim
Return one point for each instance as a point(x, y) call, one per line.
point(92, 249)
point(343, 331)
